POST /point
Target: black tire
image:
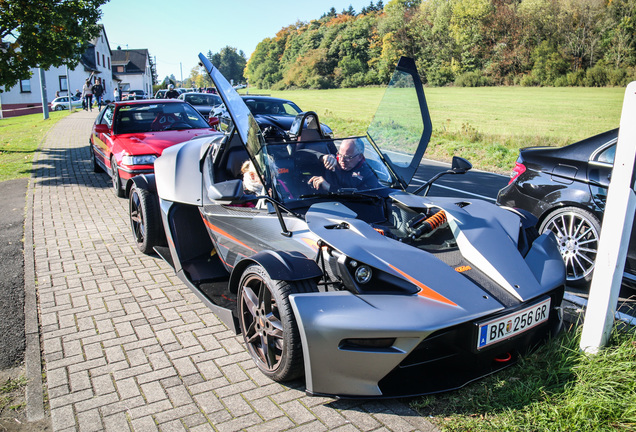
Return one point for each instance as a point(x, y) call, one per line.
point(268, 323)
point(58, 108)
point(145, 220)
point(96, 167)
point(117, 186)
point(578, 232)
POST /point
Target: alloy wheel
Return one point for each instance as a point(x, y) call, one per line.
point(260, 319)
point(577, 233)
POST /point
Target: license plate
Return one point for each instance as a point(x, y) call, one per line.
point(511, 325)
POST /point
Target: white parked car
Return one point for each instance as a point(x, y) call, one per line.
point(61, 103)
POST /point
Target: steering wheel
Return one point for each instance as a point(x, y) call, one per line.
point(163, 121)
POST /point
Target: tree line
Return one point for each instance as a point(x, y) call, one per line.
point(455, 42)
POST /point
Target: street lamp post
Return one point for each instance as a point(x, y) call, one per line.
point(45, 102)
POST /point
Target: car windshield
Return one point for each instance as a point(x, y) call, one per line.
point(140, 118)
point(298, 171)
point(272, 107)
point(202, 99)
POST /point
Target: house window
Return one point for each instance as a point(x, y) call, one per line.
point(103, 61)
point(108, 63)
point(63, 83)
point(25, 86)
point(98, 59)
point(120, 69)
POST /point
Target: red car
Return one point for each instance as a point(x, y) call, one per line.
point(128, 136)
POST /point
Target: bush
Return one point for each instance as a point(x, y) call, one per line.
point(440, 76)
point(529, 80)
point(576, 78)
point(617, 77)
point(472, 79)
point(561, 81)
point(596, 76)
point(320, 82)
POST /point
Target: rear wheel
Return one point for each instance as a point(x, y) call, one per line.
point(578, 232)
point(117, 187)
point(145, 220)
point(268, 323)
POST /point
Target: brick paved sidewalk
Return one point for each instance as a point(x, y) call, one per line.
point(127, 346)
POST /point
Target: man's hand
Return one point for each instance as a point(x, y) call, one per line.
point(318, 182)
point(330, 162)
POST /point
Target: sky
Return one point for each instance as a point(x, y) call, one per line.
point(176, 32)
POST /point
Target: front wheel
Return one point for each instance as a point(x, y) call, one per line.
point(268, 323)
point(117, 186)
point(145, 220)
point(577, 232)
point(96, 167)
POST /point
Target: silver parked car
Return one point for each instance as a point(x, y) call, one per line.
point(312, 248)
point(202, 102)
point(61, 103)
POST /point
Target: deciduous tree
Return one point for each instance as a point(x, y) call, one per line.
point(44, 33)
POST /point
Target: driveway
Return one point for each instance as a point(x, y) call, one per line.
point(126, 345)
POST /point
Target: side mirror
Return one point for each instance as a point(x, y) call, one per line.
point(102, 129)
point(460, 165)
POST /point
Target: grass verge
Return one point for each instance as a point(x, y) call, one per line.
point(487, 125)
point(556, 388)
point(19, 139)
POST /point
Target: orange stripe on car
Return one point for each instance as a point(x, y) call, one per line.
point(311, 243)
point(424, 290)
point(224, 234)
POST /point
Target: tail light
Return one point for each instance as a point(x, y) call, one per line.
point(517, 171)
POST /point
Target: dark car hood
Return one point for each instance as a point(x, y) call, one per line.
point(157, 142)
point(283, 122)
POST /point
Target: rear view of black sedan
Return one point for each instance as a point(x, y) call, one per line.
point(566, 189)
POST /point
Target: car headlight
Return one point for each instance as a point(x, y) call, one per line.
point(138, 160)
point(362, 273)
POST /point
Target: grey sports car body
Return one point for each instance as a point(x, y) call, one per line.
point(332, 270)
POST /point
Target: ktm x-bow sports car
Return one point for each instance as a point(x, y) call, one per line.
point(331, 270)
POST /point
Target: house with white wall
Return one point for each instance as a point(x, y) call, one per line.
point(25, 98)
point(132, 67)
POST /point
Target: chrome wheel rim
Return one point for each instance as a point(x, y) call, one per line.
point(578, 243)
point(263, 330)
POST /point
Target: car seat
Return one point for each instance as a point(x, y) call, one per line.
point(163, 121)
point(306, 127)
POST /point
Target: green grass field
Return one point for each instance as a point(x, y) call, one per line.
point(488, 125)
point(19, 139)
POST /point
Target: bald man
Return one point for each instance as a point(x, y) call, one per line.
point(346, 170)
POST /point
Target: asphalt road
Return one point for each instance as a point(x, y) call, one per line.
point(12, 342)
point(475, 183)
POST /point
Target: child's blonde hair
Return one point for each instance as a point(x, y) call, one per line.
point(247, 166)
